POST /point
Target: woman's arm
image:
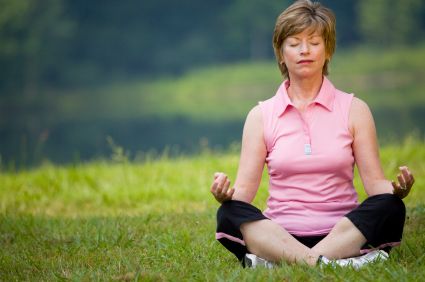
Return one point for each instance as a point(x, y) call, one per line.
point(366, 154)
point(251, 163)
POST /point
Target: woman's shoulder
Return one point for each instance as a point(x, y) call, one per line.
point(353, 103)
point(255, 114)
point(266, 108)
point(360, 114)
point(358, 106)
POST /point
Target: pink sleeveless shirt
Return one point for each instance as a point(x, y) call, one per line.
point(310, 161)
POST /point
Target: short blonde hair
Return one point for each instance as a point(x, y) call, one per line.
point(300, 16)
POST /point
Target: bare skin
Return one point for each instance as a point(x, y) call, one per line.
point(267, 239)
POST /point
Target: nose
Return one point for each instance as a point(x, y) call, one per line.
point(304, 48)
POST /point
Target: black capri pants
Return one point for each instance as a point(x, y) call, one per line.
point(380, 218)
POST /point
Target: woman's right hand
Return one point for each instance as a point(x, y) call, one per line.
point(220, 188)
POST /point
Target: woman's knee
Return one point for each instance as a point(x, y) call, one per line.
point(223, 211)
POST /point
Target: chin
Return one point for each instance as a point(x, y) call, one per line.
point(305, 73)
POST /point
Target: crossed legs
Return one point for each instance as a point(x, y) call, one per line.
point(270, 241)
point(242, 227)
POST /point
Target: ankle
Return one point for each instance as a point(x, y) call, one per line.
point(313, 259)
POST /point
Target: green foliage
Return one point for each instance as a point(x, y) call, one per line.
point(12, 17)
point(250, 24)
point(34, 36)
point(395, 23)
point(64, 43)
point(155, 221)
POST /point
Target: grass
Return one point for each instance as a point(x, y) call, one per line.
point(121, 220)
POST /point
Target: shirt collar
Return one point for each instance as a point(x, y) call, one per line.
point(325, 97)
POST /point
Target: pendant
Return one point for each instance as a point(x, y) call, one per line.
point(307, 149)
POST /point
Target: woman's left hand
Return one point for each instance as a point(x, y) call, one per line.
point(405, 182)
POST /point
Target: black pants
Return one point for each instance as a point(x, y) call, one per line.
point(379, 218)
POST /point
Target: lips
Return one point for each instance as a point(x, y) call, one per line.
point(305, 62)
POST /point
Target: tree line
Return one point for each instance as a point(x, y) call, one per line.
point(76, 43)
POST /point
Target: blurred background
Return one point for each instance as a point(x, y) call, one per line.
point(79, 78)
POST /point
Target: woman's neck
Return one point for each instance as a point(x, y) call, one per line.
point(302, 91)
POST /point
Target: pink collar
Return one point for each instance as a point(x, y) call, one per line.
point(325, 97)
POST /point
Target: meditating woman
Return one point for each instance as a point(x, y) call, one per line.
point(310, 135)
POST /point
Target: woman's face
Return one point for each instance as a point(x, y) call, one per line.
point(304, 54)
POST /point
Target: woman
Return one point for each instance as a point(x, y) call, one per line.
point(310, 135)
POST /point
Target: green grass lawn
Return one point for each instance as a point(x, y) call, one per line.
point(155, 221)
